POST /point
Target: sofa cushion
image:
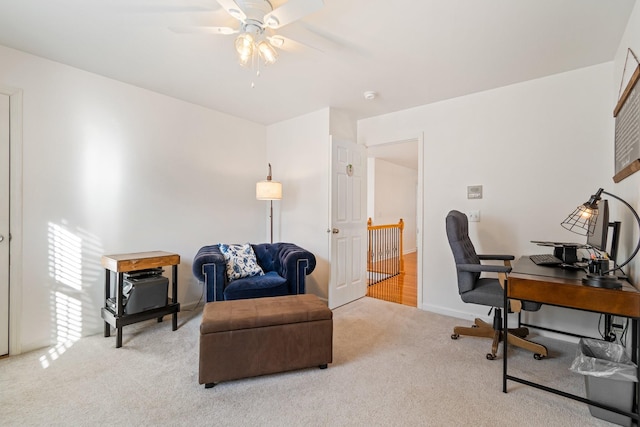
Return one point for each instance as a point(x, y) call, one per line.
point(269, 284)
point(240, 261)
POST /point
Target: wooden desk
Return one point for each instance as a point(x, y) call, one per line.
point(563, 288)
point(124, 263)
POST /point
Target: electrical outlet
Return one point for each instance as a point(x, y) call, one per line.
point(474, 216)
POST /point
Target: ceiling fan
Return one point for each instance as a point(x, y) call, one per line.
point(257, 19)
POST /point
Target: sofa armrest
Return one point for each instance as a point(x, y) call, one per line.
point(209, 266)
point(294, 264)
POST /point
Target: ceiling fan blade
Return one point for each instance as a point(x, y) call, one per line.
point(233, 9)
point(291, 11)
point(158, 7)
point(302, 34)
point(203, 30)
point(290, 45)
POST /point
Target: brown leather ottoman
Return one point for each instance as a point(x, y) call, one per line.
point(250, 337)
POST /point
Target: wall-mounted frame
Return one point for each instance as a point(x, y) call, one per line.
point(627, 137)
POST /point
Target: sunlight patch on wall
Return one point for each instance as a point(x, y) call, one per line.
point(65, 257)
point(65, 267)
point(68, 315)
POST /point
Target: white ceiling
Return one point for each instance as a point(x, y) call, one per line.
point(412, 52)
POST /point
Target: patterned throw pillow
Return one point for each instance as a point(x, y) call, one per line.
point(241, 261)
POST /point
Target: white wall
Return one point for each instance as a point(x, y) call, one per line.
point(111, 168)
point(394, 196)
point(298, 150)
point(114, 168)
point(537, 148)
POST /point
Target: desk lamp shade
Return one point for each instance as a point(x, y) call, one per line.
point(583, 221)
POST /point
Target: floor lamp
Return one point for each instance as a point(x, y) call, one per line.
point(269, 190)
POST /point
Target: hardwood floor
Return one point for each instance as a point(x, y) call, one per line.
point(401, 289)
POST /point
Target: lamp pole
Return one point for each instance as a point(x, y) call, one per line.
point(269, 190)
point(271, 218)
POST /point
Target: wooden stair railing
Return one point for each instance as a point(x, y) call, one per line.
point(385, 256)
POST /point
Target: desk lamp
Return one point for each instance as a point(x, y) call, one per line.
point(269, 190)
point(583, 221)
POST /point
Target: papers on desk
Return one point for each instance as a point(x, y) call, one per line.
point(561, 244)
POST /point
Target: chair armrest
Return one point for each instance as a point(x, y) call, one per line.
point(479, 268)
point(496, 257)
point(294, 264)
point(209, 266)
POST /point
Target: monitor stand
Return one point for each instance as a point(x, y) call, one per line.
point(568, 254)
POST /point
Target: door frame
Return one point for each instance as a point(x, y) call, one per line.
point(420, 216)
point(15, 216)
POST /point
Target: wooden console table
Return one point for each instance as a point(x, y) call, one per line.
point(124, 263)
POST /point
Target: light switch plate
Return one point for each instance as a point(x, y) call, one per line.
point(474, 216)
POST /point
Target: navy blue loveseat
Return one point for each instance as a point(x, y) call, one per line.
point(285, 266)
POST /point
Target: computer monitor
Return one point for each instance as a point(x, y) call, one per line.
point(599, 238)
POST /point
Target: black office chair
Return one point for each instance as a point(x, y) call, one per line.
point(486, 291)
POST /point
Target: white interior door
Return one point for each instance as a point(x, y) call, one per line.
point(4, 224)
point(348, 200)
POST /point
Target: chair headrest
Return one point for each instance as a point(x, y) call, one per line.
point(457, 226)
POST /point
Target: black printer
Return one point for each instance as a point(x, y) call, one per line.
point(142, 290)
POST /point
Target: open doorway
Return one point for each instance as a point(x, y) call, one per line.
point(393, 193)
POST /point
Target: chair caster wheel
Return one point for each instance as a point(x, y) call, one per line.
point(454, 336)
point(538, 356)
point(491, 356)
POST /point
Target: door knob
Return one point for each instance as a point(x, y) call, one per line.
point(335, 230)
point(1, 237)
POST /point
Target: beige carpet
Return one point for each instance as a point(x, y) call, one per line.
point(393, 366)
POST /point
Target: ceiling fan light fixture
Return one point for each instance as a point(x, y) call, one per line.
point(267, 52)
point(244, 45)
point(245, 61)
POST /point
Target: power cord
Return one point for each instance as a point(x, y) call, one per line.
point(195, 307)
point(611, 336)
point(600, 329)
point(623, 335)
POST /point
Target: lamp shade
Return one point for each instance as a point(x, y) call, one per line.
point(268, 190)
point(583, 219)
